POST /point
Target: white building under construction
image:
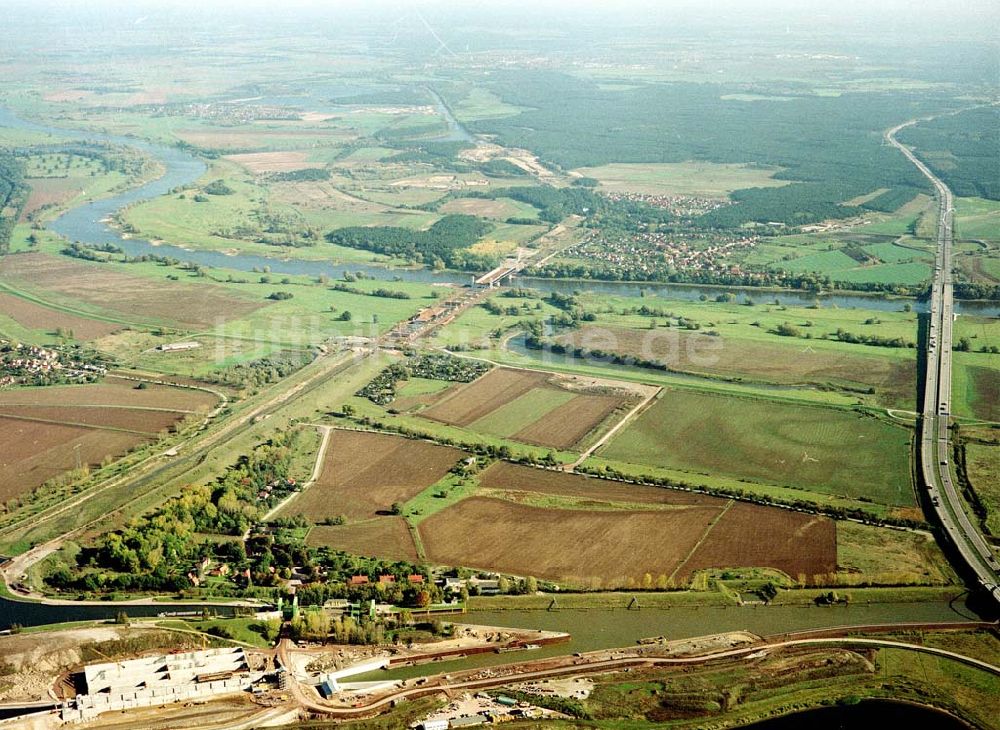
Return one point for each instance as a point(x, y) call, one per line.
point(159, 680)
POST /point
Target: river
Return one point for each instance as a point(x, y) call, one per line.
point(85, 224)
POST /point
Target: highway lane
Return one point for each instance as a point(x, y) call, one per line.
point(935, 469)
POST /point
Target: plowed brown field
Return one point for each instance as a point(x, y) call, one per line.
point(36, 317)
point(385, 537)
point(33, 453)
point(514, 477)
point(753, 535)
point(589, 548)
point(470, 402)
point(565, 425)
point(125, 294)
point(364, 473)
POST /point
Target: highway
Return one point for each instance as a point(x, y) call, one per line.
point(947, 503)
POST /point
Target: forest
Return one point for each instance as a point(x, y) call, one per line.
point(963, 150)
point(439, 244)
point(831, 148)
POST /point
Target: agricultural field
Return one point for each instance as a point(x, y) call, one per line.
point(38, 318)
point(384, 537)
point(975, 385)
point(46, 429)
point(500, 208)
point(123, 296)
point(560, 545)
point(506, 479)
point(749, 535)
point(667, 534)
point(977, 219)
point(695, 178)
point(365, 473)
point(886, 263)
point(728, 338)
point(878, 555)
point(981, 452)
point(776, 360)
point(829, 451)
point(530, 406)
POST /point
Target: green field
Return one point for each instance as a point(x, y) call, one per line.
point(982, 465)
point(977, 218)
point(522, 411)
point(726, 341)
point(700, 179)
point(975, 386)
point(822, 450)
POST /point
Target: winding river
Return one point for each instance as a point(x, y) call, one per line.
point(87, 224)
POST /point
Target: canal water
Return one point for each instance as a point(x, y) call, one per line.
point(596, 629)
point(86, 224)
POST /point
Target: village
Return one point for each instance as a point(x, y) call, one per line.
point(22, 364)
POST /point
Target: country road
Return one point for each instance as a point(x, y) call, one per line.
point(934, 452)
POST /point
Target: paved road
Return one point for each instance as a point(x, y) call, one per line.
point(947, 503)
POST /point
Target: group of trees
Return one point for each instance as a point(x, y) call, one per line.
point(381, 292)
point(156, 551)
point(13, 196)
point(382, 388)
point(257, 373)
point(438, 244)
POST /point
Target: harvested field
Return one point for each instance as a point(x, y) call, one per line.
point(365, 473)
point(533, 407)
point(36, 317)
point(40, 428)
point(564, 426)
point(140, 421)
point(258, 162)
point(386, 537)
point(472, 401)
point(986, 386)
point(749, 535)
point(112, 392)
point(777, 362)
point(562, 545)
point(126, 295)
point(506, 476)
point(826, 450)
point(36, 452)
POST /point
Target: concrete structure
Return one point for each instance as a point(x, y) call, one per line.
point(174, 346)
point(159, 680)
